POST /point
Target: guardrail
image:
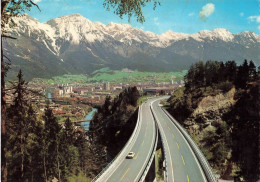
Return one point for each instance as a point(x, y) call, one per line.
point(163, 144)
point(152, 154)
point(102, 176)
point(201, 158)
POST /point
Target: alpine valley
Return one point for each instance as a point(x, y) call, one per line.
point(73, 44)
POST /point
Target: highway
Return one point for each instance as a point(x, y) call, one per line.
point(181, 162)
point(131, 170)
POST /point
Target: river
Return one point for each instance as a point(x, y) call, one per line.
point(50, 96)
point(88, 118)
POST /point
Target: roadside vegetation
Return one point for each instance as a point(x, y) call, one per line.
point(41, 149)
point(113, 125)
point(159, 165)
point(228, 136)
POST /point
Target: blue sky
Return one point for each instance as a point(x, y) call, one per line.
point(187, 16)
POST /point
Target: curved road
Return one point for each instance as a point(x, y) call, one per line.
point(181, 163)
point(130, 170)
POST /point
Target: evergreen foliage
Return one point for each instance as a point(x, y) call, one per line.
point(113, 125)
point(41, 151)
point(237, 135)
point(215, 72)
point(27, 138)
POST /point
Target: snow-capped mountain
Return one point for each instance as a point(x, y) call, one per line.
point(74, 44)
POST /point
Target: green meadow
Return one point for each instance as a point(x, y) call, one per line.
point(115, 76)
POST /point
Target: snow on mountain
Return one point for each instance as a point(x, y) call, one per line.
point(74, 44)
point(76, 28)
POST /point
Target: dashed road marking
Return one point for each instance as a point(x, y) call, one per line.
point(188, 179)
point(136, 156)
point(124, 174)
point(178, 145)
point(183, 160)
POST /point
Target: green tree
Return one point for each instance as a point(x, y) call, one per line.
point(252, 71)
point(22, 127)
point(129, 8)
point(9, 9)
point(18, 129)
point(134, 96)
point(242, 75)
point(189, 78)
point(12, 8)
point(245, 131)
point(52, 141)
point(199, 76)
point(230, 70)
point(69, 155)
point(68, 131)
point(106, 106)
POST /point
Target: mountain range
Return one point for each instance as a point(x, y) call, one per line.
point(73, 44)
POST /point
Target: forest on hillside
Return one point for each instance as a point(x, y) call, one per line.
point(232, 147)
point(114, 124)
point(39, 148)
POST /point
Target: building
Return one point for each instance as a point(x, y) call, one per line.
point(65, 90)
point(158, 90)
point(106, 86)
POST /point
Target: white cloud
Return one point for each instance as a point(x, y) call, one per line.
point(156, 21)
point(37, 1)
point(206, 11)
point(191, 14)
point(241, 14)
point(254, 18)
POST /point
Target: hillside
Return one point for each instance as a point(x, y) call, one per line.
point(113, 125)
point(221, 113)
point(73, 44)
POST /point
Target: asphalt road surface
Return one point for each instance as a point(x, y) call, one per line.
point(182, 165)
point(130, 170)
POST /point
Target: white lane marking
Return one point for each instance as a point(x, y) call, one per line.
point(165, 142)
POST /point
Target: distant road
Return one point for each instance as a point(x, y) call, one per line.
point(182, 164)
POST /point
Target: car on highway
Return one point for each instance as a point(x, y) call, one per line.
point(130, 155)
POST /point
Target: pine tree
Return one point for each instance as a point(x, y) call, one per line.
point(189, 78)
point(252, 71)
point(68, 131)
point(230, 72)
point(52, 140)
point(18, 129)
point(242, 75)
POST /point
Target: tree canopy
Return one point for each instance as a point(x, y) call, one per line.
point(129, 8)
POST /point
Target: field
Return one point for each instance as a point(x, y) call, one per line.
point(115, 76)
